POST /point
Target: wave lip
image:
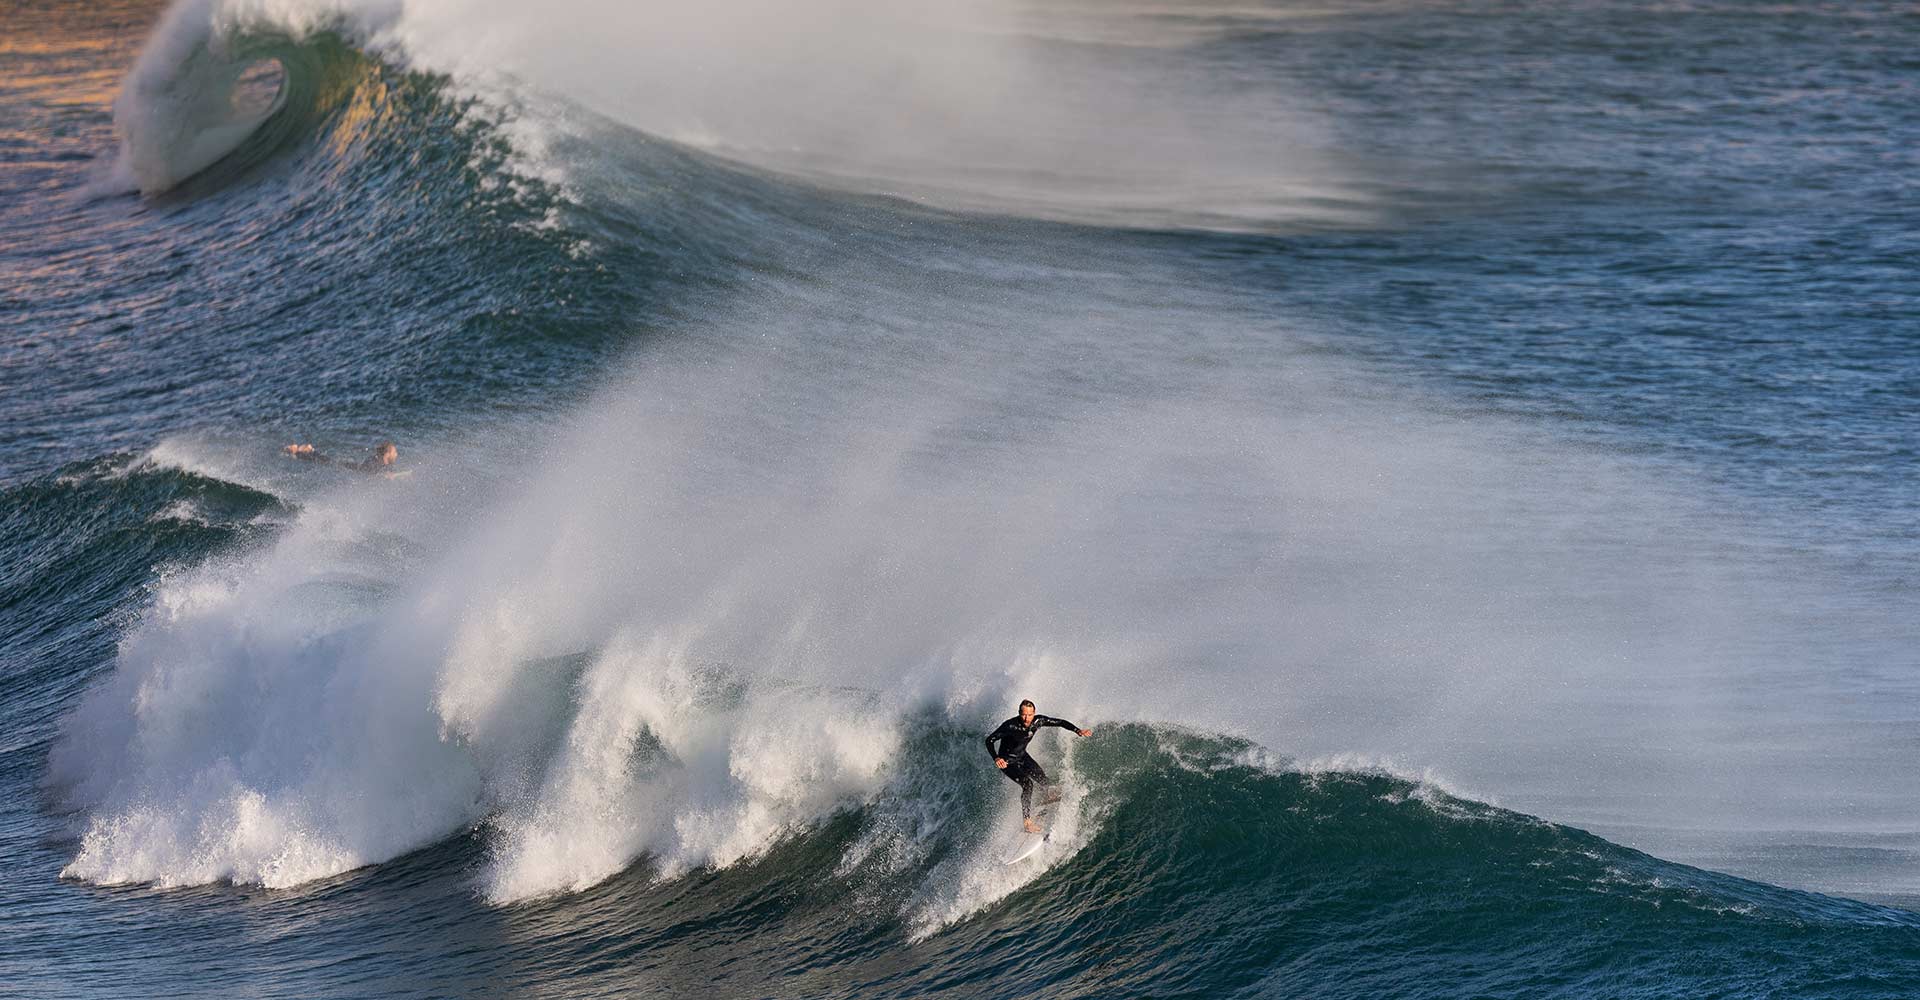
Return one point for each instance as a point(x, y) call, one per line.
point(196, 97)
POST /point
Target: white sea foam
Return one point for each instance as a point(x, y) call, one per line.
point(230, 461)
point(249, 734)
point(669, 759)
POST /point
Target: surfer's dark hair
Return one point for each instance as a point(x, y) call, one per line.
point(1027, 704)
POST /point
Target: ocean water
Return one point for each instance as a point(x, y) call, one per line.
point(1460, 458)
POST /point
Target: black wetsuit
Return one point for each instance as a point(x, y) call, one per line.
point(1013, 736)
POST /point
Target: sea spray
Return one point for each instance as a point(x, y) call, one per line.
point(696, 623)
point(972, 105)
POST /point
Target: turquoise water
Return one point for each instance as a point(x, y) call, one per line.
point(1458, 457)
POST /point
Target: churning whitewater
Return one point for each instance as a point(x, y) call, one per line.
point(1457, 457)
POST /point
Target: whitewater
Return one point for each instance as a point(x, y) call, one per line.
point(1433, 488)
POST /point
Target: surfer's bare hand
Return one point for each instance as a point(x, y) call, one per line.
point(1000, 762)
point(1086, 732)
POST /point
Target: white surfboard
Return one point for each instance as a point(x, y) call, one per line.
point(1031, 849)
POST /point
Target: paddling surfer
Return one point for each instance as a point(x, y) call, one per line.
point(1013, 761)
point(380, 462)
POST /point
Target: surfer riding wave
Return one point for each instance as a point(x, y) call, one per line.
point(1012, 759)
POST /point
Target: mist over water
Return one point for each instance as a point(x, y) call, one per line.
point(1301, 399)
point(709, 610)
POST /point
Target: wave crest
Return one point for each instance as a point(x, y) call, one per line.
point(185, 106)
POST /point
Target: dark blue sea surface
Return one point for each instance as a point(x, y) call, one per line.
point(1460, 458)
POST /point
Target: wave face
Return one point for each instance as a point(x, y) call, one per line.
point(766, 435)
point(1207, 869)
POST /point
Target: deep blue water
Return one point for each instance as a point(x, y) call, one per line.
point(1460, 458)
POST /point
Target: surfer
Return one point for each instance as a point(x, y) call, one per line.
point(1013, 761)
point(380, 462)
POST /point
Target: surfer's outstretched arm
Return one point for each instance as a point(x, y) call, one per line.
point(1046, 720)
